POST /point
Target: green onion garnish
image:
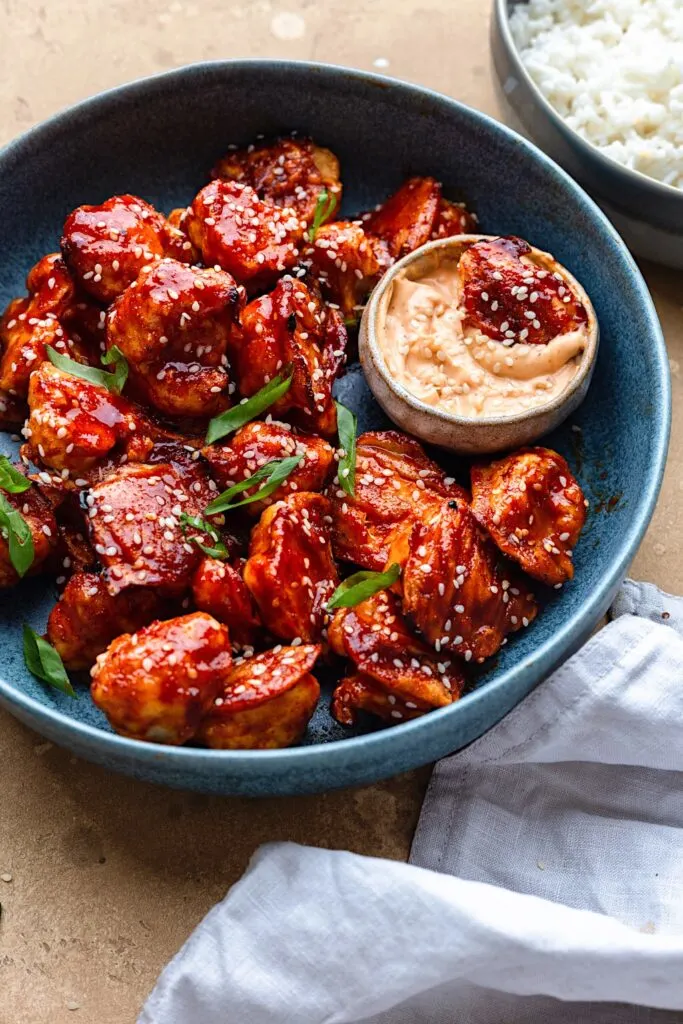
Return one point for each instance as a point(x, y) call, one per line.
point(113, 382)
point(323, 209)
point(215, 550)
point(11, 480)
point(361, 586)
point(249, 409)
point(273, 472)
point(45, 662)
point(347, 426)
point(18, 535)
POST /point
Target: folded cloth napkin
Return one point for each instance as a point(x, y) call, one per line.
point(555, 844)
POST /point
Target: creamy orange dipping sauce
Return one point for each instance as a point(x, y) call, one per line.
point(460, 370)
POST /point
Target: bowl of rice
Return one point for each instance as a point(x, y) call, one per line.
point(599, 87)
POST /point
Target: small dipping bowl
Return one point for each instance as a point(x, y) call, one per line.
point(467, 435)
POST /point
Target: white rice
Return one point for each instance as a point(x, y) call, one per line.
point(613, 69)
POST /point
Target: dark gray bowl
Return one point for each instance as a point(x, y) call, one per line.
point(159, 137)
point(647, 213)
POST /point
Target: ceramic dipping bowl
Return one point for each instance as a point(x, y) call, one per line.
point(466, 435)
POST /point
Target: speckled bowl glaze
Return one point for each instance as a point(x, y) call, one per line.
point(465, 435)
point(158, 138)
point(647, 213)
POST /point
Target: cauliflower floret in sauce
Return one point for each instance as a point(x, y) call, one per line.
point(158, 683)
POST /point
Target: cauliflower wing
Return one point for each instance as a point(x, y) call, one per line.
point(39, 517)
point(87, 618)
point(361, 693)
point(289, 172)
point(258, 443)
point(253, 239)
point(388, 658)
point(534, 509)
point(453, 219)
point(396, 485)
point(348, 263)
point(173, 326)
point(30, 324)
point(134, 520)
point(291, 326)
point(265, 702)
point(408, 218)
point(73, 424)
point(457, 589)
point(416, 213)
point(219, 589)
point(158, 683)
point(290, 570)
point(511, 299)
point(106, 246)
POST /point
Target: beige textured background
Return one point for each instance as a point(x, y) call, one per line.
point(110, 875)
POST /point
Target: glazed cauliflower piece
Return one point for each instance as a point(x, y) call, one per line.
point(74, 425)
point(87, 618)
point(219, 589)
point(458, 590)
point(290, 172)
point(257, 444)
point(292, 327)
point(397, 485)
point(173, 325)
point(266, 701)
point(534, 509)
point(251, 238)
point(290, 570)
point(106, 246)
point(158, 683)
point(397, 676)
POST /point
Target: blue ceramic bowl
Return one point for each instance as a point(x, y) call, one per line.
point(158, 138)
point(647, 213)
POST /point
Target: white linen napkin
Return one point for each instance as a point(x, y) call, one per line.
point(556, 890)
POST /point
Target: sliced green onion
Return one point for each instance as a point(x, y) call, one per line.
point(215, 550)
point(11, 480)
point(248, 410)
point(113, 382)
point(274, 472)
point(361, 586)
point(45, 662)
point(347, 426)
point(115, 357)
point(19, 537)
point(323, 208)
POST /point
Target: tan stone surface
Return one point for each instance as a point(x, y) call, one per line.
point(109, 875)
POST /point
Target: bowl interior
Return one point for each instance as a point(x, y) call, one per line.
point(159, 138)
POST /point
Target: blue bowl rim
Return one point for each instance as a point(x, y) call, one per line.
point(587, 149)
point(543, 658)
